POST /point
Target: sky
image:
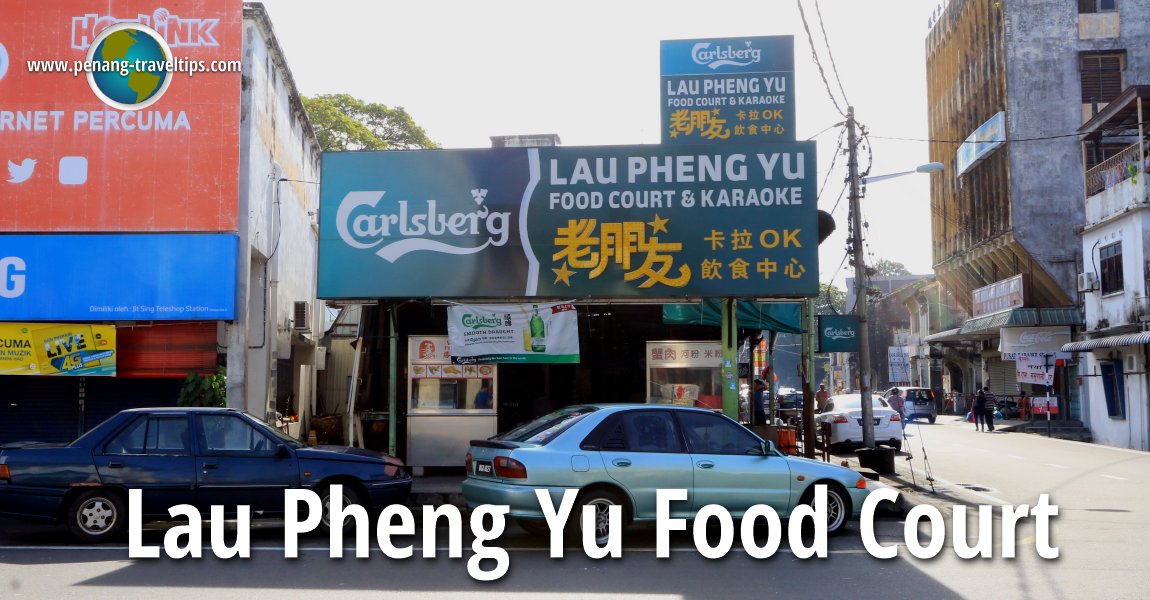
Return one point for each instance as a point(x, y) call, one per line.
point(588, 71)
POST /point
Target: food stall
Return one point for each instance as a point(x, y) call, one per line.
point(685, 373)
point(449, 404)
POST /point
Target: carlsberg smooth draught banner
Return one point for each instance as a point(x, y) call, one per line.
point(513, 333)
point(600, 222)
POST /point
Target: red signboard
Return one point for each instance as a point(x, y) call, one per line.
point(71, 163)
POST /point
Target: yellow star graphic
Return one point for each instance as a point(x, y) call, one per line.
point(563, 274)
point(674, 133)
point(658, 224)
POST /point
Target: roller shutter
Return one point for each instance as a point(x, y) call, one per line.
point(166, 350)
point(39, 408)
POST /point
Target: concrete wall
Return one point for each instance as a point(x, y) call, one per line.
point(279, 166)
point(1043, 92)
point(1133, 431)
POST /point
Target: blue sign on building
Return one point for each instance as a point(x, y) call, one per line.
point(727, 90)
point(118, 277)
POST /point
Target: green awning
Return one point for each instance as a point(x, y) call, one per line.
point(1020, 317)
point(783, 317)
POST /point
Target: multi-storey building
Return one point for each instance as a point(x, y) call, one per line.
point(1009, 84)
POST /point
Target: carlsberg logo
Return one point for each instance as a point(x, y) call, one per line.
point(723, 56)
point(412, 226)
point(471, 321)
point(838, 334)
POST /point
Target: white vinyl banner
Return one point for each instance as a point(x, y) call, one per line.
point(513, 333)
point(1035, 369)
point(898, 364)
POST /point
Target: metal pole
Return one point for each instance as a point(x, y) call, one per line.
point(392, 369)
point(860, 282)
point(809, 380)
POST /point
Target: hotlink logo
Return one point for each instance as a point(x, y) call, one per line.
point(725, 56)
point(411, 227)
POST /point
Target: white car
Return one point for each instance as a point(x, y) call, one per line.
point(844, 414)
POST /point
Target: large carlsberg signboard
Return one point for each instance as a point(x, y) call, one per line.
point(604, 222)
point(727, 90)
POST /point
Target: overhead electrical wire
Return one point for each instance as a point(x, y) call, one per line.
point(815, 58)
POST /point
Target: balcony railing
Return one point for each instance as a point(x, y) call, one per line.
point(1114, 170)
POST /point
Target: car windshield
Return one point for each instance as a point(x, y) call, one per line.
point(545, 428)
point(284, 438)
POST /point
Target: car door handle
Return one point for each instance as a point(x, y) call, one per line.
point(209, 466)
point(115, 465)
point(705, 464)
point(621, 462)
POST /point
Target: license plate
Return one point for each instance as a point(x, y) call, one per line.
point(484, 468)
point(876, 421)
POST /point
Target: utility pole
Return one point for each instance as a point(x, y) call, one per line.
point(860, 282)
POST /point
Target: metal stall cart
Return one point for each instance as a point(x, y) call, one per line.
point(450, 405)
point(686, 373)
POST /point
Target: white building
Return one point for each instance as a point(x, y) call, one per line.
point(1113, 351)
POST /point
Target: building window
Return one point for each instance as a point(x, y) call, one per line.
point(1101, 77)
point(1111, 267)
point(1114, 385)
point(1096, 6)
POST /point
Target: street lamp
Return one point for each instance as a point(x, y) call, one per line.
point(860, 270)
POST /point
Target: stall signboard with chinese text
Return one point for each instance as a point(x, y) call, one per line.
point(57, 349)
point(603, 222)
point(727, 90)
point(838, 333)
point(513, 333)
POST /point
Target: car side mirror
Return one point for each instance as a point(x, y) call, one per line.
point(282, 451)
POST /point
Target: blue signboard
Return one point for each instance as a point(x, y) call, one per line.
point(570, 222)
point(838, 333)
point(118, 277)
point(986, 139)
point(727, 90)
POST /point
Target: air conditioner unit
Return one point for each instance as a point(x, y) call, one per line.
point(1087, 282)
point(300, 319)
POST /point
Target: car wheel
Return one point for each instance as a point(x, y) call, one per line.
point(97, 516)
point(897, 445)
point(838, 507)
point(602, 500)
point(931, 419)
point(350, 496)
point(533, 526)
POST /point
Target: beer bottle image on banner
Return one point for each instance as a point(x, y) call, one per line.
point(538, 335)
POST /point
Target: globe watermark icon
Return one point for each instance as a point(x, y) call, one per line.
point(129, 66)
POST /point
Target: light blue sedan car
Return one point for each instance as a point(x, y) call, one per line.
point(622, 454)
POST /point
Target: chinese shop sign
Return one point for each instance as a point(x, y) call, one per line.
point(603, 222)
point(727, 90)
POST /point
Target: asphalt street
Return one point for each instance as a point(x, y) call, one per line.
point(1100, 493)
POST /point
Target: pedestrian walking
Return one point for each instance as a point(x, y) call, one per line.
point(979, 409)
point(897, 403)
point(989, 407)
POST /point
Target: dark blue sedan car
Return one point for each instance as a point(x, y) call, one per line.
point(196, 456)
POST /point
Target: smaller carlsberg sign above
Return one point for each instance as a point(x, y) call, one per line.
point(727, 90)
point(513, 333)
point(838, 333)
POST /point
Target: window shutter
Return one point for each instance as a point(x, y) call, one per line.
point(1101, 76)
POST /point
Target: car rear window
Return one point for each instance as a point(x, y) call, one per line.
point(545, 428)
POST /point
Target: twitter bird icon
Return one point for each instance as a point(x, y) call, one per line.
point(19, 173)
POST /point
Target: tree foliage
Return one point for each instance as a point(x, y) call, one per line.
point(343, 122)
point(831, 300)
point(890, 268)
